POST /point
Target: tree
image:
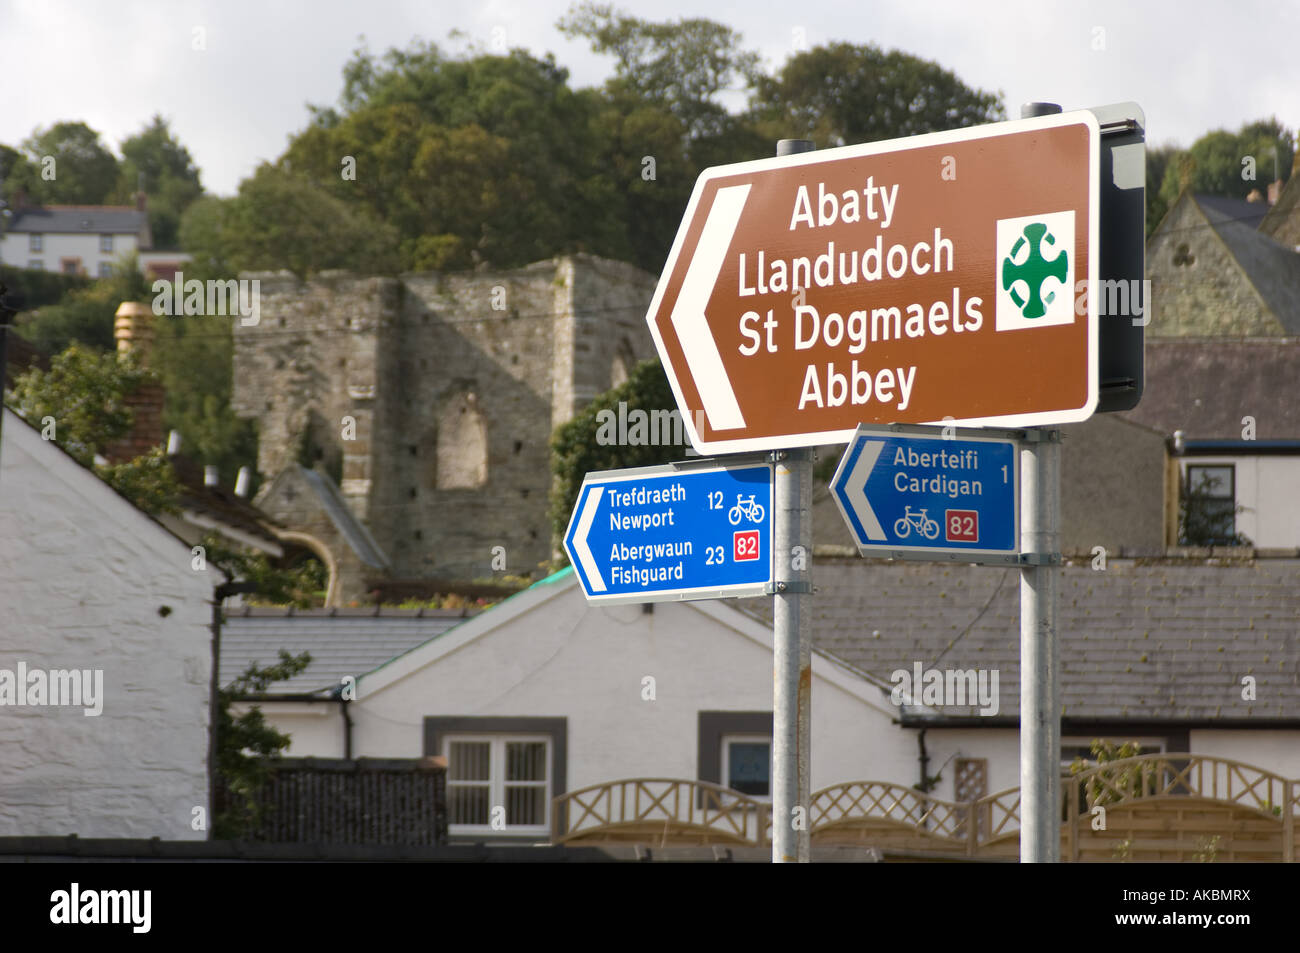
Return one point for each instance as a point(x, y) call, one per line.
point(84, 395)
point(484, 159)
point(576, 447)
point(83, 172)
point(683, 66)
point(247, 747)
point(1230, 164)
point(85, 314)
point(301, 585)
point(1158, 162)
point(278, 221)
point(155, 162)
point(841, 94)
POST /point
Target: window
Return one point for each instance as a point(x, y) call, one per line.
point(106, 243)
point(1209, 514)
point(34, 242)
point(493, 780)
point(735, 751)
point(105, 269)
point(37, 264)
point(70, 266)
point(462, 452)
point(747, 764)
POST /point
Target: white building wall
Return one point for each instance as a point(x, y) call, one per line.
point(1268, 486)
point(14, 250)
point(1276, 751)
point(587, 664)
point(83, 577)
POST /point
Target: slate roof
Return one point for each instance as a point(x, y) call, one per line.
point(1273, 268)
point(220, 502)
point(341, 641)
point(352, 529)
point(76, 219)
point(1169, 640)
point(1204, 386)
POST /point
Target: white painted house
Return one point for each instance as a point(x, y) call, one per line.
point(73, 239)
point(89, 583)
point(545, 694)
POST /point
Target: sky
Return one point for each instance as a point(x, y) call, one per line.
point(1193, 66)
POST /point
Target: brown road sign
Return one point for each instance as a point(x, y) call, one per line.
point(941, 278)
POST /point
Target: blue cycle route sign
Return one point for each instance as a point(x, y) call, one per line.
point(910, 493)
point(654, 534)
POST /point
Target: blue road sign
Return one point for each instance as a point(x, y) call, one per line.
point(911, 493)
point(654, 534)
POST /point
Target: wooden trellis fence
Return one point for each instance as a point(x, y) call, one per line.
point(1162, 807)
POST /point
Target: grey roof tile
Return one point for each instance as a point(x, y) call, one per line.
point(1174, 614)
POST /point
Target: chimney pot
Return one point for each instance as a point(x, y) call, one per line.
point(133, 329)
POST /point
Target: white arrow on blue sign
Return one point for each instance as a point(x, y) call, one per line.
point(914, 493)
point(690, 531)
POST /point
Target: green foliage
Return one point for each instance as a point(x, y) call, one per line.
point(247, 746)
point(841, 93)
point(85, 392)
point(148, 481)
point(155, 161)
point(85, 314)
point(1158, 162)
point(473, 159)
point(85, 172)
point(301, 586)
point(38, 287)
point(1203, 519)
point(278, 221)
point(1214, 164)
point(682, 66)
point(192, 357)
point(575, 450)
point(1102, 788)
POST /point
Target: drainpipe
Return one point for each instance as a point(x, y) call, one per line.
point(219, 595)
point(347, 727)
point(924, 785)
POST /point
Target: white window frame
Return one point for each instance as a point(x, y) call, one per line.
point(35, 242)
point(106, 244)
point(105, 269)
point(724, 765)
point(497, 783)
point(37, 263)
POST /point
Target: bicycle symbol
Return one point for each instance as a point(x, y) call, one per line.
point(751, 508)
point(915, 521)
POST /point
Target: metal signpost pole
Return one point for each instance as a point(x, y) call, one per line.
point(1040, 708)
point(792, 661)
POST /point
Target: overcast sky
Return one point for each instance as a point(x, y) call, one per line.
point(1193, 65)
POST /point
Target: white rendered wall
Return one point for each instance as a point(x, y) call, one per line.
point(82, 577)
point(586, 664)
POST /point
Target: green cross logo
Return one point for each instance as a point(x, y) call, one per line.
point(1034, 270)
